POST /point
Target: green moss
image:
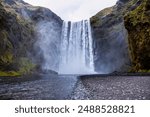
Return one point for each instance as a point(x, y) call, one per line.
point(25, 66)
point(6, 55)
point(96, 20)
point(7, 58)
point(137, 22)
point(16, 39)
point(5, 44)
point(10, 73)
point(138, 15)
point(144, 71)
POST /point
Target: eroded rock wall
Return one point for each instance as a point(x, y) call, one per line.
point(111, 38)
point(18, 35)
point(137, 22)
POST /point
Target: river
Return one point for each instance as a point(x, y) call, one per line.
point(37, 87)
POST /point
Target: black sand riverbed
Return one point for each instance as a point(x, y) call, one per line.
point(60, 87)
point(37, 87)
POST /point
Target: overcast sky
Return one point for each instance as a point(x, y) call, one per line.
point(74, 10)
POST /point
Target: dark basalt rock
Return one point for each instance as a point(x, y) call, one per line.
point(111, 38)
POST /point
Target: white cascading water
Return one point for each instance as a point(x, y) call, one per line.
point(76, 48)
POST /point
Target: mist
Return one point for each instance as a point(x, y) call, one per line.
point(48, 43)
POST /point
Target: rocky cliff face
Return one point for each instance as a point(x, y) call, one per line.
point(18, 28)
point(137, 22)
point(111, 38)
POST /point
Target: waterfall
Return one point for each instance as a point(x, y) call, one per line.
point(76, 48)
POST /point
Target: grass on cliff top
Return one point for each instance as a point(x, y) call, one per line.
point(95, 20)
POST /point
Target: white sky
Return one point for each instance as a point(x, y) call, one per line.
point(74, 10)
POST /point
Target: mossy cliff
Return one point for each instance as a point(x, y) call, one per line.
point(111, 38)
point(18, 32)
point(16, 36)
point(137, 22)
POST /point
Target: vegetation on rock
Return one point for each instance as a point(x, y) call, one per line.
point(18, 36)
point(110, 37)
point(134, 15)
point(16, 40)
point(95, 20)
point(137, 22)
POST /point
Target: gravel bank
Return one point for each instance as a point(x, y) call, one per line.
point(113, 88)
